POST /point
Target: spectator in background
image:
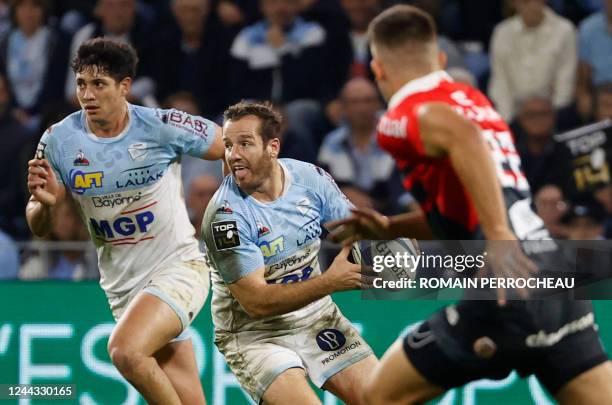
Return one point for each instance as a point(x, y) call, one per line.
point(551, 207)
point(360, 13)
point(585, 221)
point(270, 56)
point(333, 18)
point(196, 56)
point(534, 129)
point(285, 59)
point(534, 51)
point(603, 195)
point(9, 258)
point(118, 19)
point(199, 192)
point(364, 172)
point(33, 57)
point(5, 19)
point(16, 148)
point(237, 13)
point(192, 167)
point(64, 264)
point(603, 101)
point(595, 59)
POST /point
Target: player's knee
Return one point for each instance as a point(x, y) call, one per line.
point(127, 361)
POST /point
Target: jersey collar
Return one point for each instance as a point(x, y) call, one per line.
point(113, 139)
point(419, 85)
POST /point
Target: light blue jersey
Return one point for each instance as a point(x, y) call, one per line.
point(243, 235)
point(128, 189)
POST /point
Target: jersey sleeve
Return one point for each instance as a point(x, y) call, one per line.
point(229, 244)
point(47, 149)
point(185, 133)
point(334, 204)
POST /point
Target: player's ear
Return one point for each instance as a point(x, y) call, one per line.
point(273, 147)
point(125, 86)
point(442, 59)
point(378, 69)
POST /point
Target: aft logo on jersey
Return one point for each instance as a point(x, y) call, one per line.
point(81, 181)
point(269, 249)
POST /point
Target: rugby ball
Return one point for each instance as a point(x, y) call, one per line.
point(388, 259)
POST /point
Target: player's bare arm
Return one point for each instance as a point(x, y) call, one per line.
point(369, 224)
point(446, 133)
point(261, 300)
point(217, 149)
point(45, 192)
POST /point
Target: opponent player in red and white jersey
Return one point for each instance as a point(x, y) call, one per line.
point(459, 160)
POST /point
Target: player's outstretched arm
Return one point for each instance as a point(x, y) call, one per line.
point(217, 149)
point(446, 133)
point(366, 223)
point(45, 192)
point(261, 300)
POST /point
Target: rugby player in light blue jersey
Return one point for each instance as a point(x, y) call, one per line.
point(274, 319)
point(121, 163)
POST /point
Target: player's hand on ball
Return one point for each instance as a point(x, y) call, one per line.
point(42, 183)
point(342, 274)
point(365, 223)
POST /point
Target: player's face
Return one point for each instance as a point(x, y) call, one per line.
point(249, 160)
point(100, 96)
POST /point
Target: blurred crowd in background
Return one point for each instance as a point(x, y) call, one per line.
point(547, 66)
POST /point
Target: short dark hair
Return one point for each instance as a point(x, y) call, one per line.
point(401, 25)
point(116, 59)
point(271, 120)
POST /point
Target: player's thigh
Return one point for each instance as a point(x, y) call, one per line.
point(163, 309)
point(329, 345)
point(177, 360)
point(290, 387)
point(184, 286)
point(348, 384)
point(147, 325)
point(258, 358)
point(591, 387)
point(395, 380)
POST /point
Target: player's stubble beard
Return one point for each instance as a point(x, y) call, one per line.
point(260, 172)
